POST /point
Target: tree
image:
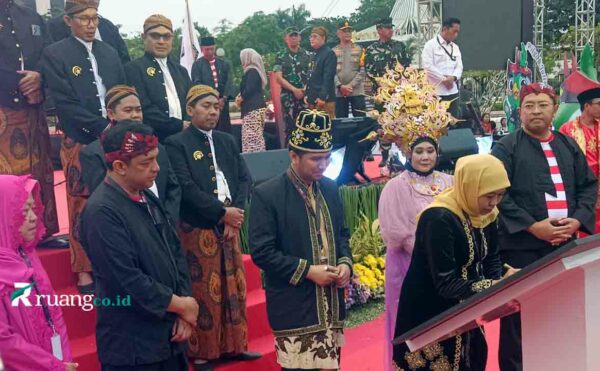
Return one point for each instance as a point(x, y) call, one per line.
point(223, 27)
point(369, 11)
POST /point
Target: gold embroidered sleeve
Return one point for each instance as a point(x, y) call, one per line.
point(300, 272)
point(348, 261)
point(481, 285)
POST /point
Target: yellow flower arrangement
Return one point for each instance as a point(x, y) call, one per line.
point(370, 272)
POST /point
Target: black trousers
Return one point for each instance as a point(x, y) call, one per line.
point(454, 108)
point(510, 355)
point(224, 123)
point(177, 362)
point(357, 102)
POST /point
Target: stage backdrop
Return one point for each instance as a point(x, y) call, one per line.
point(490, 30)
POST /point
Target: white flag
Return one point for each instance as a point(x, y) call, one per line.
point(190, 48)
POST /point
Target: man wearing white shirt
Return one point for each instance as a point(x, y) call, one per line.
point(78, 71)
point(161, 83)
point(215, 185)
point(442, 60)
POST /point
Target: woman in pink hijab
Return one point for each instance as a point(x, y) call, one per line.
point(31, 337)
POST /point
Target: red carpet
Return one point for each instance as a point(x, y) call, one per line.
point(364, 344)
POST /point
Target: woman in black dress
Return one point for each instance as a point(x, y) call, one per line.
point(455, 256)
point(252, 102)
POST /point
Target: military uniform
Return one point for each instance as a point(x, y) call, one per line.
point(382, 55)
point(24, 137)
point(294, 68)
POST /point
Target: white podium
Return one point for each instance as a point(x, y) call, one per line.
point(559, 301)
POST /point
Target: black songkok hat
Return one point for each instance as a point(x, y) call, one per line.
point(588, 95)
point(207, 41)
point(312, 132)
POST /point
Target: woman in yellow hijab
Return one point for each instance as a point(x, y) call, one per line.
point(455, 256)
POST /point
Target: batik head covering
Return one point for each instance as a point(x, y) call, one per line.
point(157, 20)
point(117, 93)
point(537, 88)
point(133, 145)
point(78, 6)
point(251, 59)
point(412, 108)
point(475, 176)
point(15, 191)
point(312, 132)
point(198, 92)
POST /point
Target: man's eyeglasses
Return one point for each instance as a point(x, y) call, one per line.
point(86, 21)
point(157, 36)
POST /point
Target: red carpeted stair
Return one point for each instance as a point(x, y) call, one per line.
point(364, 344)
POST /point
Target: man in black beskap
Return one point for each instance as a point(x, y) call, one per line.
point(136, 254)
point(107, 32)
point(320, 92)
point(78, 71)
point(161, 83)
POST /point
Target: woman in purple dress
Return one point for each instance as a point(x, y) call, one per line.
point(402, 199)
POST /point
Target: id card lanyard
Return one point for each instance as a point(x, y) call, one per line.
point(55, 340)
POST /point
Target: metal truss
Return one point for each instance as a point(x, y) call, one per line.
point(585, 14)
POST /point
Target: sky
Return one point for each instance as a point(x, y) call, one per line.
point(131, 13)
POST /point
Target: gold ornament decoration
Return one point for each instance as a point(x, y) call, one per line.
point(76, 70)
point(412, 108)
point(151, 71)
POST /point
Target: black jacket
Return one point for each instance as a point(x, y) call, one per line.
point(70, 78)
point(137, 254)
point(192, 160)
point(146, 75)
point(202, 74)
point(108, 32)
point(524, 203)
point(252, 92)
point(94, 169)
point(25, 33)
point(321, 82)
point(283, 244)
point(434, 281)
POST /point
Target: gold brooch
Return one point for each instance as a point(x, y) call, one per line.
point(198, 155)
point(76, 70)
point(151, 71)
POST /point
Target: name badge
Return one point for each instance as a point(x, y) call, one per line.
point(56, 347)
point(36, 30)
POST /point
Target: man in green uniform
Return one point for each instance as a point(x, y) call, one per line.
point(380, 55)
point(291, 68)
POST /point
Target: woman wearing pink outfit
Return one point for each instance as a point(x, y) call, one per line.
point(31, 337)
point(402, 199)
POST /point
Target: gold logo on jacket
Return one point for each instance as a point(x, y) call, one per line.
point(76, 70)
point(151, 71)
point(198, 155)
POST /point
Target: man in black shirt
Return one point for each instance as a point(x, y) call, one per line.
point(320, 92)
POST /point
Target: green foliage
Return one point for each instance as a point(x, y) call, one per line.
point(360, 314)
point(360, 200)
point(369, 11)
point(366, 239)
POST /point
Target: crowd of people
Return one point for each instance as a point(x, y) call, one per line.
point(157, 192)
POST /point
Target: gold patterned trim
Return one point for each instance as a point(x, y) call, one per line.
point(299, 272)
point(345, 260)
point(481, 285)
point(310, 150)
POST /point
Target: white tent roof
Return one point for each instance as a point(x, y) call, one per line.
point(404, 14)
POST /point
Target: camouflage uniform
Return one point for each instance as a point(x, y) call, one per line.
point(382, 55)
point(295, 69)
point(378, 57)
